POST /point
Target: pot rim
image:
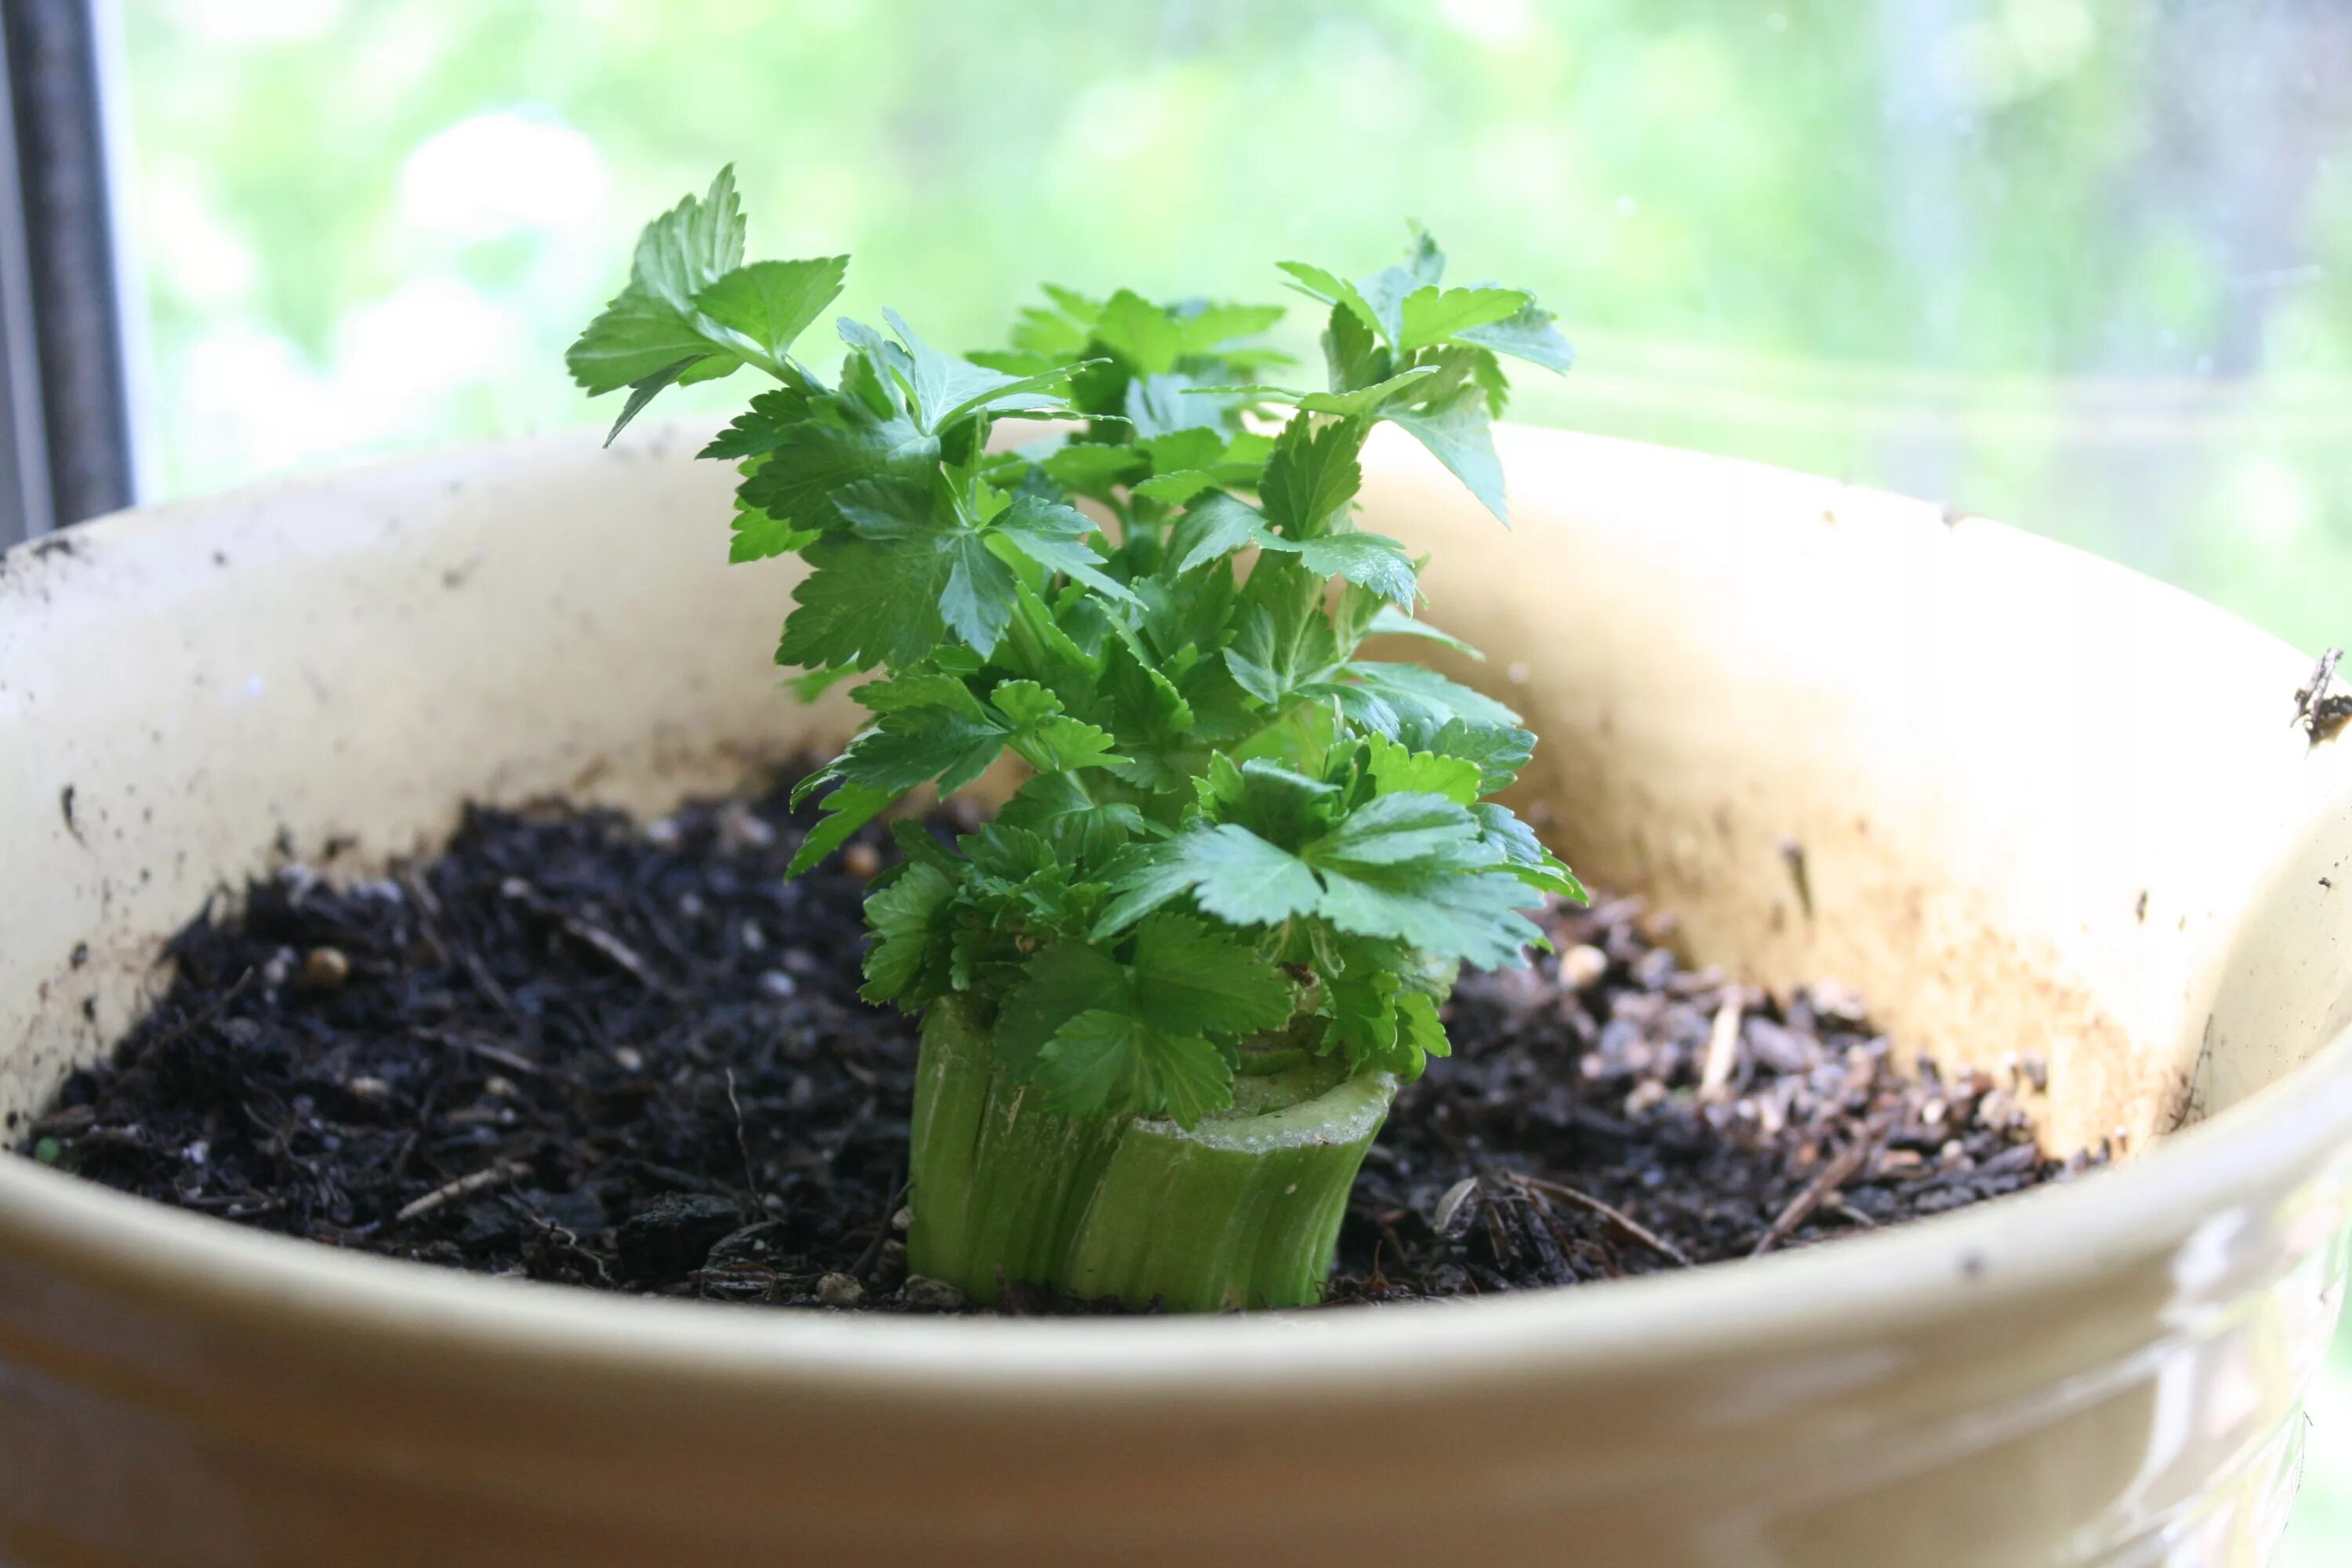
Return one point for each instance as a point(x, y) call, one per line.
point(1958, 1263)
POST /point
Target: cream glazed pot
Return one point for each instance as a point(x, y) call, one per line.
point(2043, 805)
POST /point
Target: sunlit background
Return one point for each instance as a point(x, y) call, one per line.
point(2081, 266)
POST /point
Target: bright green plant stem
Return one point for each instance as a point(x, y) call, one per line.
point(1242, 1210)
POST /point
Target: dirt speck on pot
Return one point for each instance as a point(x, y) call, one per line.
point(578, 1050)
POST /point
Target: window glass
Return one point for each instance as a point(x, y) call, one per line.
point(2080, 266)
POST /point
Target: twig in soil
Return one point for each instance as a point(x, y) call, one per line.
point(1835, 1175)
point(1722, 1049)
point(499, 1054)
point(864, 1267)
point(1616, 1217)
point(588, 932)
point(1851, 1215)
point(449, 1192)
point(190, 1025)
point(744, 1145)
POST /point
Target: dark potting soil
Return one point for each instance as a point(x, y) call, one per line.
point(632, 1057)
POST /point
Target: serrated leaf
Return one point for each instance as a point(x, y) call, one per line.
point(1351, 404)
point(1372, 560)
point(1172, 403)
point(1391, 622)
point(1419, 702)
point(1497, 750)
point(918, 690)
point(912, 746)
point(1516, 845)
point(1529, 334)
point(1332, 289)
point(1212, 528)
point(1459, 435)
point(1104, 1061)
point(1232, 873)
point(901, 918)
point(846, 809)
point(758, 429)
point(1093, 468)
point(773, 302)
point(1054, 536)
point(815, 458)
point(1139, 332)
point(978, 599)
point(1215, 326)
point(1059, 983)
point(945, 388)
point(1177, 487)
point(693, 245)
point(651, 335)
point(756, 536)
point(1392, 830)
point(1057, 806)
point(1311, 475)
point(1192, 979)
point(1432, 315)
point(1400, 770)
point(636, 338)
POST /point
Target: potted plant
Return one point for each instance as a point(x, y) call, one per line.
point(1170, 991)
point(1768, 699)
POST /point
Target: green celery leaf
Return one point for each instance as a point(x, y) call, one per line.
point(1177, 487)
point(1524, 855)
point(1391, 829)
point(760, 429)
point(1496, 751)
point(1192, 979)
point(1212, 528)
point(1432, 315)
point(1312, 474)
point(773, 302)
point(1093, 468)
point(1400, 770)
point(1140, 332)
point(838, 447)
point(1057, 806)
point(1059, 983)
point(1210, 327)
point(917, 745)
point(1526, 334)
point(1458, 434)
point(1332, 289)
point(653, 324)
point(846, 810)
point(1392, 622)
point(1054, 536)
point(1232, 873)
point(1372, 560)
point(903, 918)
point(919, 691)
point(1106, 1061)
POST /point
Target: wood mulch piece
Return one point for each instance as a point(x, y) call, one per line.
point(576, 1049)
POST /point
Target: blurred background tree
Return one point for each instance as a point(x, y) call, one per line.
point(2078, 265)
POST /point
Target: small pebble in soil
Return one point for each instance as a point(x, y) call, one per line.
point(574, 1049)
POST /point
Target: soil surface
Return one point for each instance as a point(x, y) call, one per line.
point(632, 1057)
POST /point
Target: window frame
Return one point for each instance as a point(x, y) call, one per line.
point(67, 430)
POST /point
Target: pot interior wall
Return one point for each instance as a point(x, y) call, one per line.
point(2026, 802)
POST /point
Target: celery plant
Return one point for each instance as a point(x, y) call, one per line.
point(1168, 994)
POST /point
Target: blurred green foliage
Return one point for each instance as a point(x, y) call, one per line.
point(2080, 266)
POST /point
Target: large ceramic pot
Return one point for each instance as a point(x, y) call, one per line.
point(2042, 805)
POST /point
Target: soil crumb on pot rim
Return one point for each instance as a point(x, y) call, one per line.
point(581, 1050)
